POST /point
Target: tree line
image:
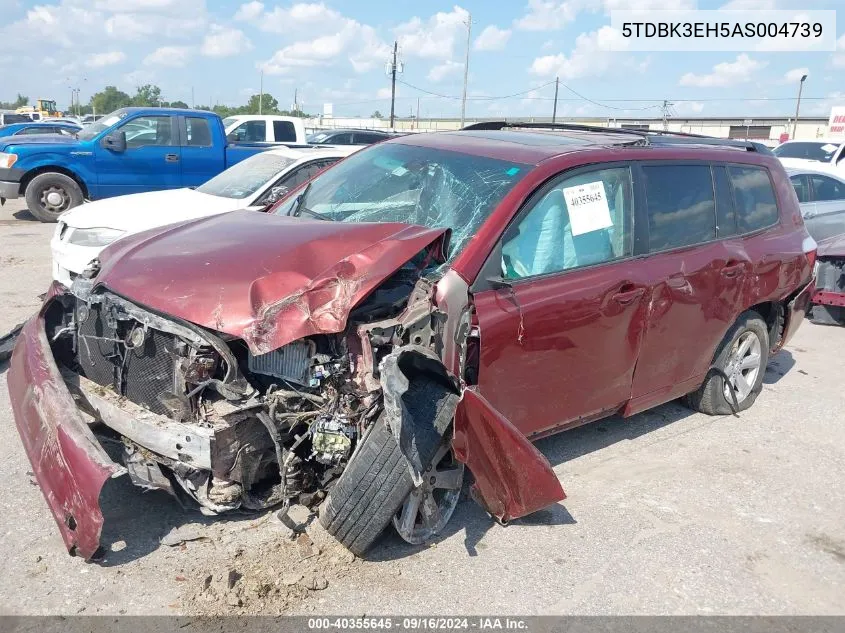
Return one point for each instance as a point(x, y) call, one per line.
point(149, 95)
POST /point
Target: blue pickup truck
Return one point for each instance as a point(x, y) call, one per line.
point(129, 151)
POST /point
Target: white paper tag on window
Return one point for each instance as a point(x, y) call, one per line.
point(830, 147)
point(588, 210)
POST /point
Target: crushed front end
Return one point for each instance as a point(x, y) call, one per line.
point(194, 412)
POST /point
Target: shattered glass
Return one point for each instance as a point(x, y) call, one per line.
point(414, 185)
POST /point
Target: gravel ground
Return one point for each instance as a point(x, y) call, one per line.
point(669, 512)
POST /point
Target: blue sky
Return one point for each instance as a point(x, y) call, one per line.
point(335, 52)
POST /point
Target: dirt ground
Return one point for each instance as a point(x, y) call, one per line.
point(669, 512)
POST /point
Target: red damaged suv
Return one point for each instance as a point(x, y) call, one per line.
point(434, 301)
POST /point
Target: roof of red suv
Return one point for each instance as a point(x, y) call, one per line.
point(532, 146)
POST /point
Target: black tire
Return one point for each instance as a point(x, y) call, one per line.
point(377, 480)
point(710, 397)
point(52, 182)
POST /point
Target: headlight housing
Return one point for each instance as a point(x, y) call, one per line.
point(93, 237)
point(7, 160)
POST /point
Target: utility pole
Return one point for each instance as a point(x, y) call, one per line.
point(667, 109)
point(193, 104)
point(417, 120)
point(261, 93)
point(798, 105)
point(554, 109)
point(466, 70)
point(296, 99)
point(393, 83)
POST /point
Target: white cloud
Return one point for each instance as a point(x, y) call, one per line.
point(249, 11)
point(444, 70)
point(383, 93)
point(492, 38)
point(223, 41)
point(726, 74)
point(592, 56)
point(794, 75)
point(434, 38)
point(355, 42)
point(551, 15)
point(173, 56)
point(303, 16)
point(100, 60)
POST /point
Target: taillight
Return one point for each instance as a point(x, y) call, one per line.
point(810, 248)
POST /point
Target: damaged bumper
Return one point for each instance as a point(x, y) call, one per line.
point(70, 465)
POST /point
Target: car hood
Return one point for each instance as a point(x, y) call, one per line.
point(832, 247)
point(38, 139)
point(141, 211)
point(264, 278)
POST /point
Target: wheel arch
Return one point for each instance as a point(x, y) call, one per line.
point(46, 169)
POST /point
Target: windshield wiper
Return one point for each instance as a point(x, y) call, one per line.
point(299, 207)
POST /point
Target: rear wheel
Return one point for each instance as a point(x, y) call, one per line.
point(51, 194)
point(740, 363)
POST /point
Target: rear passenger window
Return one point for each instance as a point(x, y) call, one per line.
point(197, 132)
point(755, 199)
point(802, 187)
point(582, 220)
point(725, 215)
point(680, 205)
point(284, 131)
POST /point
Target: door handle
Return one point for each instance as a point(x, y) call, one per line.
point(628, 293)
point(171, 158)
point(732, 269)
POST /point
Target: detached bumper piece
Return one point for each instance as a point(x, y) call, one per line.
point(69, 464)
point(829, 295)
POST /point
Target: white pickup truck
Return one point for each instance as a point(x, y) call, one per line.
point(257, 128)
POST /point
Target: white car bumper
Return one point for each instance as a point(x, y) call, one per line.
point(69, 260)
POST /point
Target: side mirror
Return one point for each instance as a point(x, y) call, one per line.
point(232, 137)
point(115, 141)
point(276, 193)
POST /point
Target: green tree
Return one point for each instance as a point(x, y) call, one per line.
point(13, 105)
point(269, 105)
point(178, 104)
point(147, 95)
point(109, 99)
point(376, 115)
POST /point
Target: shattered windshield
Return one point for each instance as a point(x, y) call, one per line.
point(430, 187)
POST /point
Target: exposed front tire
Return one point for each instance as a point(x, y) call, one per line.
point(377, 480)
point(742, 357)
point(51, 194)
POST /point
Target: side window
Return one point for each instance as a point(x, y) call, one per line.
point(826, 189)
point(250, 132)
point(581, 220)
point(754, 197)
point(725, 214)
point(197, 132)
point(680, 205)
point(149, 130)
point(284, 131)
point(339, 139)
point(801, 186)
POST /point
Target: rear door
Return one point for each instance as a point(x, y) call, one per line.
point(200, 158)
point(150, 161)
point(828, 214)
point(696, 275)
point(561, 326)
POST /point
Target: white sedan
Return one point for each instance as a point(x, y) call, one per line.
point(827, 155)
point(254, 183)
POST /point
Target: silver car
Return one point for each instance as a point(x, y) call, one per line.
point(822, 198)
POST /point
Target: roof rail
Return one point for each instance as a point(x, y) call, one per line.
point(647, 137)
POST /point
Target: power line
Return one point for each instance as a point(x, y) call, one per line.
point(480, 98)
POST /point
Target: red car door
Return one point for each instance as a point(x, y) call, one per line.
point(696, 274)
point(560, 327)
